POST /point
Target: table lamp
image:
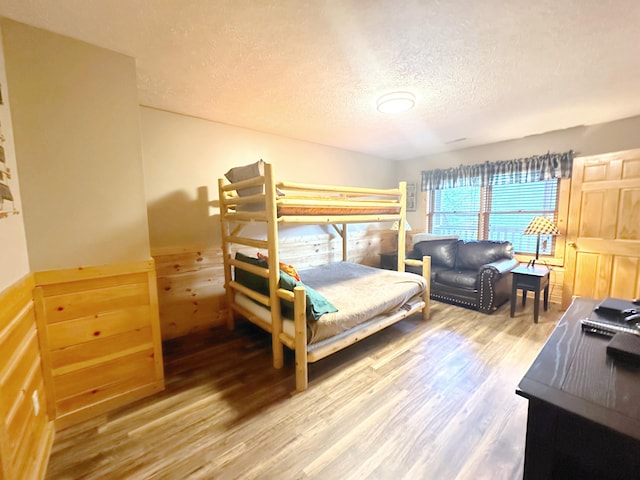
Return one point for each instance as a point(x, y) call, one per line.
point(396, 226)
point(540, 226)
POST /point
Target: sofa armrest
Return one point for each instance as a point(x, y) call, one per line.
point(501, 266)
point(495, 284)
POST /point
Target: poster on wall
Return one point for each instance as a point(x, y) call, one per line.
point(7, 202)
point(411, 197)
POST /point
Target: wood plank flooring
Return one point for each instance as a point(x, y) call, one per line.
point(419, 400)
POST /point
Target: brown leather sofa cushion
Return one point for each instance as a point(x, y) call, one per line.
point(442, 252)
point(457, 278)
point(472, 255)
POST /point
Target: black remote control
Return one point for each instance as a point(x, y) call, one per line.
point(632, 318)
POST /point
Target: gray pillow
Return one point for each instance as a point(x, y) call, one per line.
point(237, 174)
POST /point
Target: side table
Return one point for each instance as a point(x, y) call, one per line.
point(535, 279)
point(389, 260)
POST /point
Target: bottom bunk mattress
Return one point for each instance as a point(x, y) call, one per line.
point(360, 294)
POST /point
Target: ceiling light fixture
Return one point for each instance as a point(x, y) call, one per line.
point(396, 102)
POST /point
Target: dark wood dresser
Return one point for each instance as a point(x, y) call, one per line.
point(584, 406)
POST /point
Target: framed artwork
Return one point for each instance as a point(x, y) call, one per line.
point(411, 197)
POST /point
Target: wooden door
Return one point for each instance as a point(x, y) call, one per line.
point(603, 231)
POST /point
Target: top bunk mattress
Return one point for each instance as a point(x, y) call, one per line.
point(336, 210)
point(320, 206)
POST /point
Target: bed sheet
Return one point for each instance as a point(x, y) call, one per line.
point(360, 293)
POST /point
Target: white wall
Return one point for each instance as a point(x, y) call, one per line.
point(613, 136)
point(77, 134)
point(14, 262)
point(185, 156)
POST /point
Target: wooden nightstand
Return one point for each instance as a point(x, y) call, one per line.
point(389, 260)
point(535, 279)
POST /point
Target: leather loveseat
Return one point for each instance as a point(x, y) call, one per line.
point(471, 274)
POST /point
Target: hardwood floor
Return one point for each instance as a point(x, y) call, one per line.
point(419, 400)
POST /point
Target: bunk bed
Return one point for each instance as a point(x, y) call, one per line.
point(262, 289)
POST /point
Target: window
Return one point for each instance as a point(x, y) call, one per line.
point(456, 212)
point(498, 212)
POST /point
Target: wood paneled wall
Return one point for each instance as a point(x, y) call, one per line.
point(190, 291)
point(556, 279)
point(26, 435)
point(100, 338)
point(191, 283)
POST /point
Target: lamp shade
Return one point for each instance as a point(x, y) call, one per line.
point(396, 226)
point(541, 226)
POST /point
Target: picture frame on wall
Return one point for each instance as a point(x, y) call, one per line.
point(411, 197)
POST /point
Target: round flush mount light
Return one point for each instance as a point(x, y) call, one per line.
point(396, 102)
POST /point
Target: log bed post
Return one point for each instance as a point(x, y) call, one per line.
point(426, 296)
point(226, 253)
point(425, 264)
point(344, 242)
point(402, 234)
point(300, 326)
point(274, 266)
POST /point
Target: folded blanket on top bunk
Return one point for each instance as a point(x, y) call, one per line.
point(359, 293)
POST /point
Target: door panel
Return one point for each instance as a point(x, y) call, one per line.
point(629, 218)
point(625, 268)
point(603, 231)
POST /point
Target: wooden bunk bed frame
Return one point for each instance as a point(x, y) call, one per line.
point(346, 205)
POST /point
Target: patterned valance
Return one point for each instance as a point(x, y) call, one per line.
point(521, 170)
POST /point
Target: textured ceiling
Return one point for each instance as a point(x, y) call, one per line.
point(485, 70)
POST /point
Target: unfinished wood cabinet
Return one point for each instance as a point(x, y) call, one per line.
point(100, 338)
point(26, 431)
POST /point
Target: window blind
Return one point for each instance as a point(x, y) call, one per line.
point(498, 212)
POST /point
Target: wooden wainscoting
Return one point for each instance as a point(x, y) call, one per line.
point(190, 291)
point(363, 246)
point(26, 434)
point(556, 279)
point(191, 282)
point(100, 338)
